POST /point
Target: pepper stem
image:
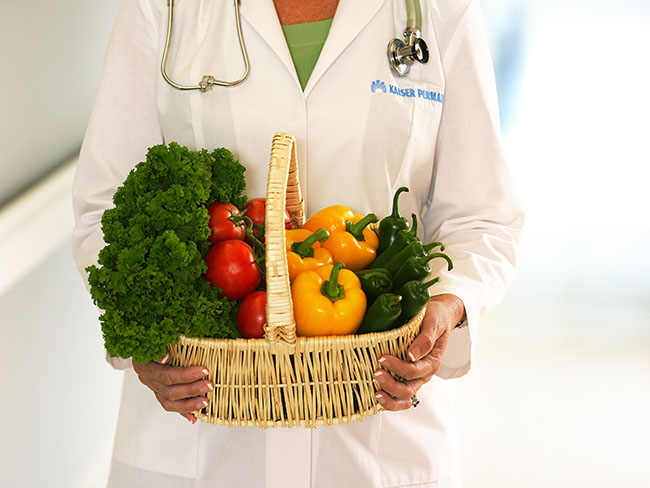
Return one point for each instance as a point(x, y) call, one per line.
point(304, 249)
point(430, 283)
point(433, 245)
point(331, 288)
point(414, 228)
point(393, 303)
point(450, 264)
point(395, 213)
point(357, 229)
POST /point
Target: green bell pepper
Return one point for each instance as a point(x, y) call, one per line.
point(374, 282)
point(417, 268)
point(391, 225)
point(382, 314)
point(402, 239)
point(415, 248)
point(415, 296)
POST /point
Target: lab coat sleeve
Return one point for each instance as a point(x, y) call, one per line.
point(123, 124)
point(473, 207)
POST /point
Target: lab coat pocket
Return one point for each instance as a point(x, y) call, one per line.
point(409, 146)
point(416, 164)
point(402, 127)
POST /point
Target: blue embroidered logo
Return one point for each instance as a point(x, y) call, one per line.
point(378, 85)
point(433, 96)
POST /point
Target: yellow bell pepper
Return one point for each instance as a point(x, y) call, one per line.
point(304, 251)
point(351, 241)
point(328, 301)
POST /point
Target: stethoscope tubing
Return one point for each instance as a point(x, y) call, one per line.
point(207, 81)
point(398, 52)
point(413, 15)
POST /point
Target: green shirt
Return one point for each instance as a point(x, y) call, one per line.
point(305, 43)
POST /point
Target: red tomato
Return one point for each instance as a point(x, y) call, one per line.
point(251, 315)
point(232, 267)
point(221, 227)
point(255, 209)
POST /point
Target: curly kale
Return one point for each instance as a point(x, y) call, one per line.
point(226, 168)
point(150, 282)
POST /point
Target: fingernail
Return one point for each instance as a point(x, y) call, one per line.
point(378, 373)
point(411, 356)
point(206, 372)
point(165, 359)
point(379, 396)
point(204, 403)
point(209, 387)
point(381, 360)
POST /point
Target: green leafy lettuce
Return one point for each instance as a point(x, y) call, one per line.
point(149, 282)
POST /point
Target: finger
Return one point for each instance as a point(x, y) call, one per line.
point(170, 375)
point(181, 391)
point(399, 390)
point(424, 368)
point(190, 417)
point(393, 404)
point(182, 406)
point(164, 359)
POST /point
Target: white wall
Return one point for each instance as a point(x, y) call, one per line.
point(59, 397)
point(52, 53)
point(559, 392)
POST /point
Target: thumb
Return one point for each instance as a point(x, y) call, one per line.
point(421, 346)
point(164, 359)
point(424, 342)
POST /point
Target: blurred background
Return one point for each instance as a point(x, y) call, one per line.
point(559, 393)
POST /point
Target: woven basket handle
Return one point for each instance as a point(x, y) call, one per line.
point(283, 188)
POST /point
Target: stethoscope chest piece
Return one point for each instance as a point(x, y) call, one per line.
point(402, 54)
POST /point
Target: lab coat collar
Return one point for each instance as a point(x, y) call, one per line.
point(263, 18)
point(350, 18)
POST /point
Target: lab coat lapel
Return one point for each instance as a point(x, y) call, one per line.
point(350, 18)
point(263, 18)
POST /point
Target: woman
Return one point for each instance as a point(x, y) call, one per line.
point(361, 133)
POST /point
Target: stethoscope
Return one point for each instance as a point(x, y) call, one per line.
point(401, 54)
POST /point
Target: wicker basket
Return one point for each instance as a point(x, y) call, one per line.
point(284, 380)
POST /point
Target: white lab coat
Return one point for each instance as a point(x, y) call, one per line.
point(357, 142)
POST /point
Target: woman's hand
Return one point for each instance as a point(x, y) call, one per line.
point(177, 389)
point(443, 312)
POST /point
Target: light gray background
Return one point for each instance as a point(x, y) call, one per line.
point(51, 54)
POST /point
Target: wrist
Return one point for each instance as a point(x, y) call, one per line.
point(453, 306)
